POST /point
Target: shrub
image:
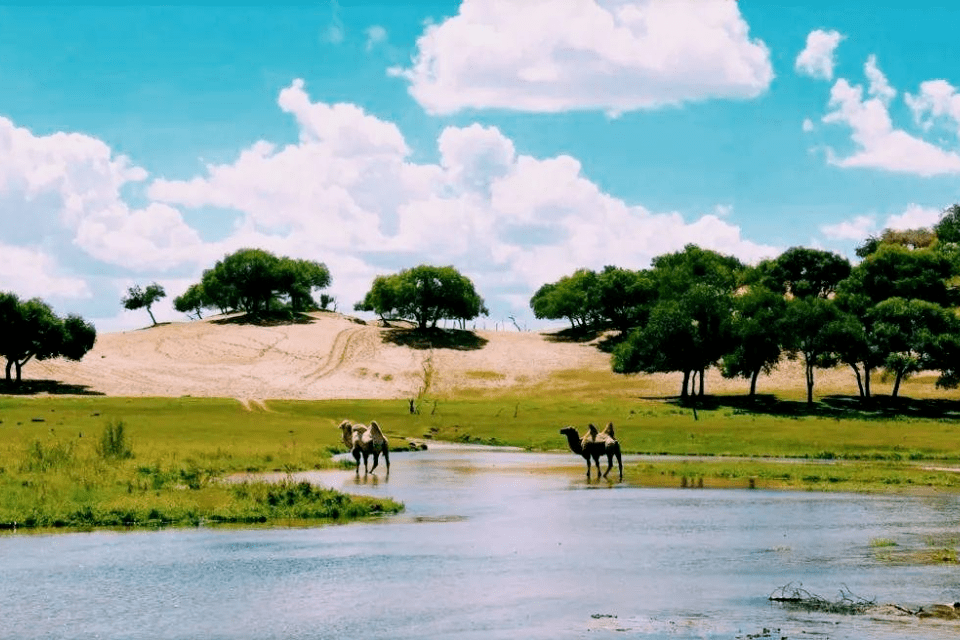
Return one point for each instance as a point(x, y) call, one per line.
point(113, 442)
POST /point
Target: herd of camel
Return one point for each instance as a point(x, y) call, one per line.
point(365, 441)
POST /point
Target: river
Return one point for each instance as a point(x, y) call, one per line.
point(494, 544)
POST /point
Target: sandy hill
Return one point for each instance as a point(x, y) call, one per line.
point(333, 356)
point(336, 356)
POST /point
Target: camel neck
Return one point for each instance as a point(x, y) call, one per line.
point(574, 442)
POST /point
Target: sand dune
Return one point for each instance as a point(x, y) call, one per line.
point(332, 357)
point(336, 356)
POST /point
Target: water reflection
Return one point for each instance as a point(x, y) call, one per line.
point(492, 545)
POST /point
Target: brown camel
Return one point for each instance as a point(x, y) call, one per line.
point(594, 444)
point(364, 441)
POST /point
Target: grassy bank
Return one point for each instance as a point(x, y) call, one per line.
point(59, 468)
point(105, 462)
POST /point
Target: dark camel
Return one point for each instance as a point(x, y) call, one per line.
point(594, 444)
point(363, 441)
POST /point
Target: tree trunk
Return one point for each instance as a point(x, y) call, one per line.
point(866, 380)
point(683, 389)
point(9, 369)
point(19, 366)
point(701, 383)
point(753, 383)
point(896, 384)
point(856, 372)
point(809, 373)
point(152, 319)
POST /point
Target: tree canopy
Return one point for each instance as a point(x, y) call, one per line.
point(32, 330)
point(802, 272)
point(255, 282)
point(424, 294)
point(140, 298)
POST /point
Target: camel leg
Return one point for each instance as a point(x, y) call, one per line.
point(386, 457)
point(587, 458)
point(356, 456)
point(366, 456)
point(620, 464)
point(609, 465)
point(376, 460)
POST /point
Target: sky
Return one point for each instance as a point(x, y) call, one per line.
point(517, 140)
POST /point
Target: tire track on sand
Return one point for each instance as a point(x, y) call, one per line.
point(350, 345)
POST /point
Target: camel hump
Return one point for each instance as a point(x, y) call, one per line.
point(593, 430)
point(608, 431)
point(375, 429)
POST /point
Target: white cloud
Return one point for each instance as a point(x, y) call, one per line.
point(879, 86)
point(349, 195)
point(856, 229)
point(817, 58)
point(376, 35)
point(878, 144)
point(66, 187)
point(30, 273)
point(914, 216)
point(937, 100)
point(611, 55)
point(807, 125)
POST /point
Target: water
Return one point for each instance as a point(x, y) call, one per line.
point(490, 546)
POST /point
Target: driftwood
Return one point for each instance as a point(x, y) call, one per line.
point(800, 598)
point(850, 604)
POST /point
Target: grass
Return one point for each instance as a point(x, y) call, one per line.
point(81, 462)
point(84, 463)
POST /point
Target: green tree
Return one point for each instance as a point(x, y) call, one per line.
point(910, 333)
point(755, 335)
point(192, 300)
point(572, 297)
point(676, 272)
point(896, 271)
point(623, 298)
point(810, 332)
point(255, 281)
point(140, 298)
point(32, 330)
point(424, 294)
point(802, 272)
point(687, 333)
point(948, 227)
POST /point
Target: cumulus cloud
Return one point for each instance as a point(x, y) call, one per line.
point(817, 58)
point(878, 144)
point(348, 194)
point(914, 216)
point(937, 101)
point(31, 272)
point(610, 55)
point(856, 229)
point(66, 188)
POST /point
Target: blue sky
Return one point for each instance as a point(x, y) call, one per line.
point(517, 140)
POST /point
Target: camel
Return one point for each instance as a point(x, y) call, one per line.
point(594, 444)
point(364, 440)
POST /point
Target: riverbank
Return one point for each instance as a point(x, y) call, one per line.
point(64, 465)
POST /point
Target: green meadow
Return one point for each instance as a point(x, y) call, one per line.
point(96, 461)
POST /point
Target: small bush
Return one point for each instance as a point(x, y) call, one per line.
point(113, 442)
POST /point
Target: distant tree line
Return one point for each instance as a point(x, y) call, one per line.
point(895, 312)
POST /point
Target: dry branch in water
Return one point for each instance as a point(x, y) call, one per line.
point(800, 598)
